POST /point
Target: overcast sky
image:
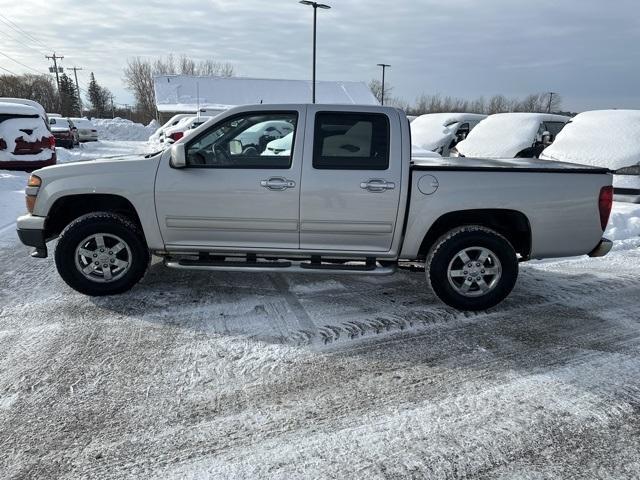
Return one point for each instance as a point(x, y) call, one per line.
point(587, 50)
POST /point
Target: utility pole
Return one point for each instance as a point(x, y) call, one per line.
point(384, 66)
point(551, 94)
point(55, 59)
point(75, 73)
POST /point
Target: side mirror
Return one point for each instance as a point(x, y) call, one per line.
point(235, 147)
point(178, 156)
point(547, 139)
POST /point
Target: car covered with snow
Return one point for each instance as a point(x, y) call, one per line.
point(65, 132)
point(440, 132)
point(87, 131)
point(25, 140)
point(279, 146)
point(347, 198)
point(604, 138)
point(511, 135)
point(159, 134)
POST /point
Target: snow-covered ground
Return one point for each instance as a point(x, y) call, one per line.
point(232, 375)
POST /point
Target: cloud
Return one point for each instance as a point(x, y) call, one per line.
point(581, 48)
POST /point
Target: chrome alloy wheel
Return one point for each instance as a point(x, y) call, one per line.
point(103, 257)
point(474, 271)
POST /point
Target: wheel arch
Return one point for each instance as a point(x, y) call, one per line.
point(512, 224)
point(66, 209)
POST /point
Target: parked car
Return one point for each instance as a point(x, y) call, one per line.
point(25, 140)
point(511, 135)
point(604, 138)
point(65, 131)
point(440, 132)
point(87, 131)
point(279, 146)
point(176, 132)
point(347, 199)
point(30, 103)
point(195, 123)
point(159, 134)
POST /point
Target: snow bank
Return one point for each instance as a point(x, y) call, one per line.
point(12, 205)
point(504, 135)
point(103, 149)
point(434, 130)
point(624, 222)
point(123, 129)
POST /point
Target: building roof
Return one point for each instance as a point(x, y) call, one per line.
point(180, 93)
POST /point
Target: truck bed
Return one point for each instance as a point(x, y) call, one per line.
point(502, 165)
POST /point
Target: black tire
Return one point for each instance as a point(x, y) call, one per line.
point(444, 254)
point(110, 224)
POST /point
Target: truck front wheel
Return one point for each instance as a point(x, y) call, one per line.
point(472, 268)
point(101, 253)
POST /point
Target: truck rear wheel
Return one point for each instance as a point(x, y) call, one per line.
point(101, 253)
point(472, 268)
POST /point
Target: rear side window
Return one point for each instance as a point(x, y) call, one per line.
point(351, 141)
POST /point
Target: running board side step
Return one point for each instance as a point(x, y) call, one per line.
point(280, 266)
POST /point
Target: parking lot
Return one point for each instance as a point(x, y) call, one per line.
point(233, 375)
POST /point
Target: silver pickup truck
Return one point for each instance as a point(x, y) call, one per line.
point(344, 196)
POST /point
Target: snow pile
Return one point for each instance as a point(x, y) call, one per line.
point(12, 205)
point(123, 129)
point(435, 130)
point(504, 135)
point(102, 149)
point(624, 222)
point(603, 138)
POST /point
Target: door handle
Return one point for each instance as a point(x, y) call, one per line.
point(377, 185)
point(277, 183)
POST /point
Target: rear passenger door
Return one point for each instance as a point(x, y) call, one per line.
point(351, 180)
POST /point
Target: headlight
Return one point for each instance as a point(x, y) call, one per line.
point(31, 192)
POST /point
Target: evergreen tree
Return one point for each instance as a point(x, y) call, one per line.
point(99, 97)
point(70, 103)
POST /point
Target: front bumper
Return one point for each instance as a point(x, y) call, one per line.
point(602, 248)
point(31, 233)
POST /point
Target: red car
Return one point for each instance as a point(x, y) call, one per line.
point(26, 143)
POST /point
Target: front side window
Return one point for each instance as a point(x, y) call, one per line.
point(245, 141)
point(351, 141)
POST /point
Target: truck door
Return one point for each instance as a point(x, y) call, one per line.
point(351, 180)
point(235, 192)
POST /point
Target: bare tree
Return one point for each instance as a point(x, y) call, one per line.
point(139, 73)
point(40, 88)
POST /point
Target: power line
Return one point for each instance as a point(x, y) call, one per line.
point(20, 63)
point(15, 27)
point(19, 42)
point(8, 71)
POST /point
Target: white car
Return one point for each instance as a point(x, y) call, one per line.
point(195, 123)
point(176, 132)
point(279, 146)
point(256, 138)
point(604, 138)
point(440, 132)
point(159, 134)
point(511, 135)
point(86, 130)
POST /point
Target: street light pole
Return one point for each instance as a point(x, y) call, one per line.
point(551, 94)
point(384, 66)
point(315, 6)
